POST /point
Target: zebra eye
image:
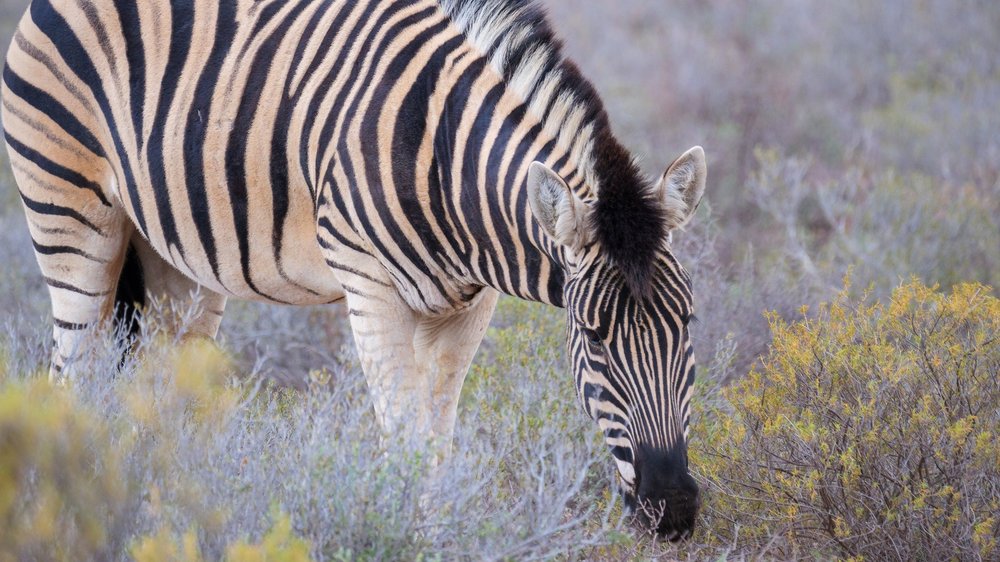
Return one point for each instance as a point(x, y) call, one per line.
point(593, 338)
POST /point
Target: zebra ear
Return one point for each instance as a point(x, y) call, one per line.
point(682, 186)
point(556, 208)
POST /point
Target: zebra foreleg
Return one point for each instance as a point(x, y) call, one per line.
point(445, 347)
point(384, 327)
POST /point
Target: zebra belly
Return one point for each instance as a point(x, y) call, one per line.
point(249, 267)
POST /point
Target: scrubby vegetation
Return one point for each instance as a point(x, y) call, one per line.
point(841, 136)
point(869, 431)
point(186, 458)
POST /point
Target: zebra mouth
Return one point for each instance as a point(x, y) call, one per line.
point(665, 522)
point(670, 520)
point(659, 522)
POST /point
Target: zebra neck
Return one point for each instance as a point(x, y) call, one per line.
point(483, 144)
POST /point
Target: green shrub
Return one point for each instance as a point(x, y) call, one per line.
point(870, 431)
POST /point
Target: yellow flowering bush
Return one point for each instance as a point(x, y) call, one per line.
point(870, 431)
point(279, 545)
point(63, 492)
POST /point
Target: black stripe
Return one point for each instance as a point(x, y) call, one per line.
point(55, 250)
point(324, 223)
point(279, 139)
point(182, 20)
point(50, 230)
point(685, 380)
point(279, 146)
point(135, 55)
point(52, 209)
point(621, 453)
point(324, 45)
point(90, 12)
point(408, 135)
point(57, 112)
point(337, 198)
point(358, 273)
point(69, 176)
point(61, 285)
point(239, 140)
point(592, 391)
point(72, 326)
point(267, 14)
point(442, 200)
point(312, 113)
point(196, 129)
point(357, 292)
point(499, 144)
point(474, 214)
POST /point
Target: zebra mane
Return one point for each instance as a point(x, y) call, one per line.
point(629, 219)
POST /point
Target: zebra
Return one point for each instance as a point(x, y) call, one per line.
point(413, 158)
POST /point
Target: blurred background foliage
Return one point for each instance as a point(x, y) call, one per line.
point(841, 136)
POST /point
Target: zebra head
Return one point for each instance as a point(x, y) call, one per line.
point(629, 305)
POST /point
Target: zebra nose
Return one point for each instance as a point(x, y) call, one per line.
point(667, 495)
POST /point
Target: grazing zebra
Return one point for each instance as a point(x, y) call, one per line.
point(414, 157)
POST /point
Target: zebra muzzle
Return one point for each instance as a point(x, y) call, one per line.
point(666, 498)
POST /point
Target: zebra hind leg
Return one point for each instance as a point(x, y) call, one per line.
point(81, 247)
